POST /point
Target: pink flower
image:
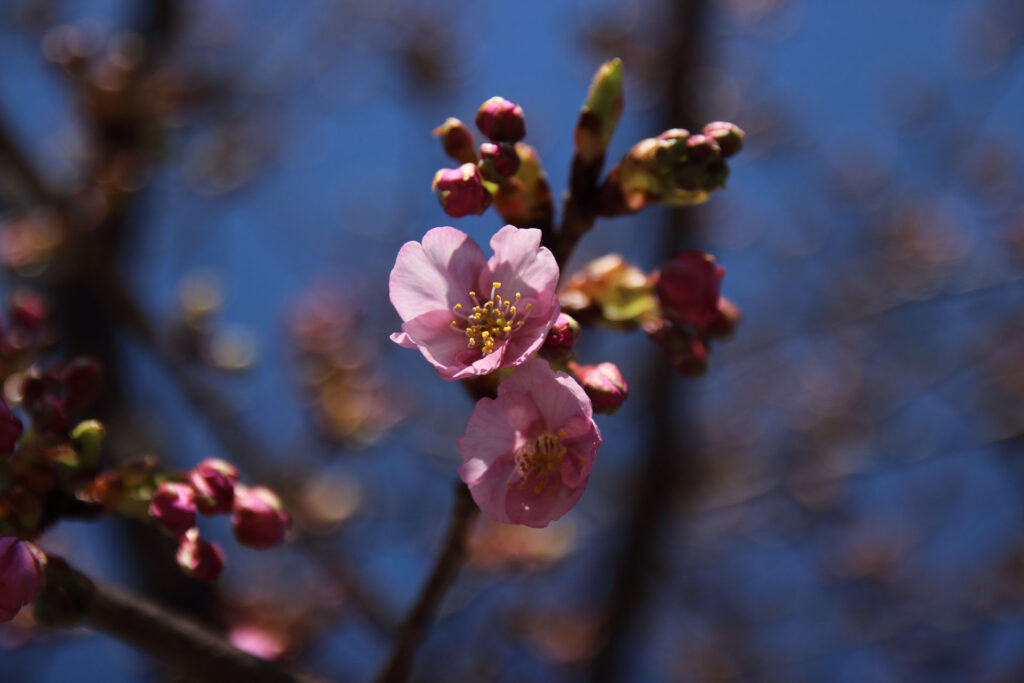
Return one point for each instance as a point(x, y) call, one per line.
point(460, 191)
point(174, 507)
point(260, 519)
point(470, 316)
point(21, 575)
point(527, 454)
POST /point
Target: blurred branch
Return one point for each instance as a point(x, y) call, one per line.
point(666, 459)
point(181, 644)
point(442, 576)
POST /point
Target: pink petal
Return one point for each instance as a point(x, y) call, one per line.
point(402, 339)
point(489, 435)
point(441, 344)
point(520, 263)
point(488, 490)
point(558, 397)
point(537, 510)
point(435, 274)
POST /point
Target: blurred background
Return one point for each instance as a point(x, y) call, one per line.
point(213, 193)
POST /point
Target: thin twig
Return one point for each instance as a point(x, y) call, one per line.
point(181, 644)
point(442, 576)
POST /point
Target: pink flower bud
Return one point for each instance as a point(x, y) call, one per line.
point(499, 160)
point(82, 379)
point(10, 428)
point(259, 520)
point(460, 191)
point(687, 352)
point(728, 136)
point(501, 120)
point(724, 324)
point(604, 385)
point(702, 147)
point(174, 507)
point(457, 141)
point(561, 337)
point(688, 288)
point(21, 575)
point(214, 482)
point(201, 560)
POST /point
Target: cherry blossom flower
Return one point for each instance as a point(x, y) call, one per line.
point(469, 315)
point(527, 454)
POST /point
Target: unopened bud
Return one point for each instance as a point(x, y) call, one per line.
point(501, 120)
point(199, 559)
point(728, 136)
point(213, 481)
point(460, 191)
point(28, 309)
point(724, 324)
point(88, 440)
point(457, 140)
point(174, 507)
point(688, 288)
point(604, 385)
point(601, 112)
point(561, 337)
point(701, 148)
point(259, 520)
point(21, 575)
point(498, 160)
point(687, 352)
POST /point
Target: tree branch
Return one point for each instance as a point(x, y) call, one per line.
point(442, 576)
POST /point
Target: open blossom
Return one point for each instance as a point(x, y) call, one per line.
point(469, 315)
point(21, 575)
point(528, 453)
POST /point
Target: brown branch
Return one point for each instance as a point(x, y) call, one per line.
point(181, 644)
point(442, 576)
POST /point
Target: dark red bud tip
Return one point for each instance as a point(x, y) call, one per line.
point(457, 141)
point(174, 507)
point(501, 120)
point(689, 286)
point(500, 158)
point(702, 148)
point(28, 309)
point(460, 191)
point(728, 136)
point(604, 384)
point(259, 520)
point(82, 379)
point(214, 482)
point(199, 559)
point(561, 338)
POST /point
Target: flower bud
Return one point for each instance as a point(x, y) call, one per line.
point(199, 559)
point(460, 191)
point(457, 140)
point(214, 482)
point(10, 428)
point(688, 288)
point(561, 337)
point(174, 507)
point(82, 379)
point(88, 439)
point(259, 520)
point(600, 113)
point(498, 160)
point(728, 136)
point(501, 120)
point(687, 352)
point(724, 324)
point(604, 385)
point(21, 575)
point(701, 148)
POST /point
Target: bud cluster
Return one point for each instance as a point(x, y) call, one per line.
point(503, 170)
point(693, 312)
point(211, 488)
point(676, 168)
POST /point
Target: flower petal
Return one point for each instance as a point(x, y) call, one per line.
point(440, 343)
point(524, 506)
point(435, 274)
point(520, 263)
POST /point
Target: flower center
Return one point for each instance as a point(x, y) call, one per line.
point(490, 320)
point(538, 460)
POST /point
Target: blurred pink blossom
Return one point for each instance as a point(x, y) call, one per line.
point(21, 575)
